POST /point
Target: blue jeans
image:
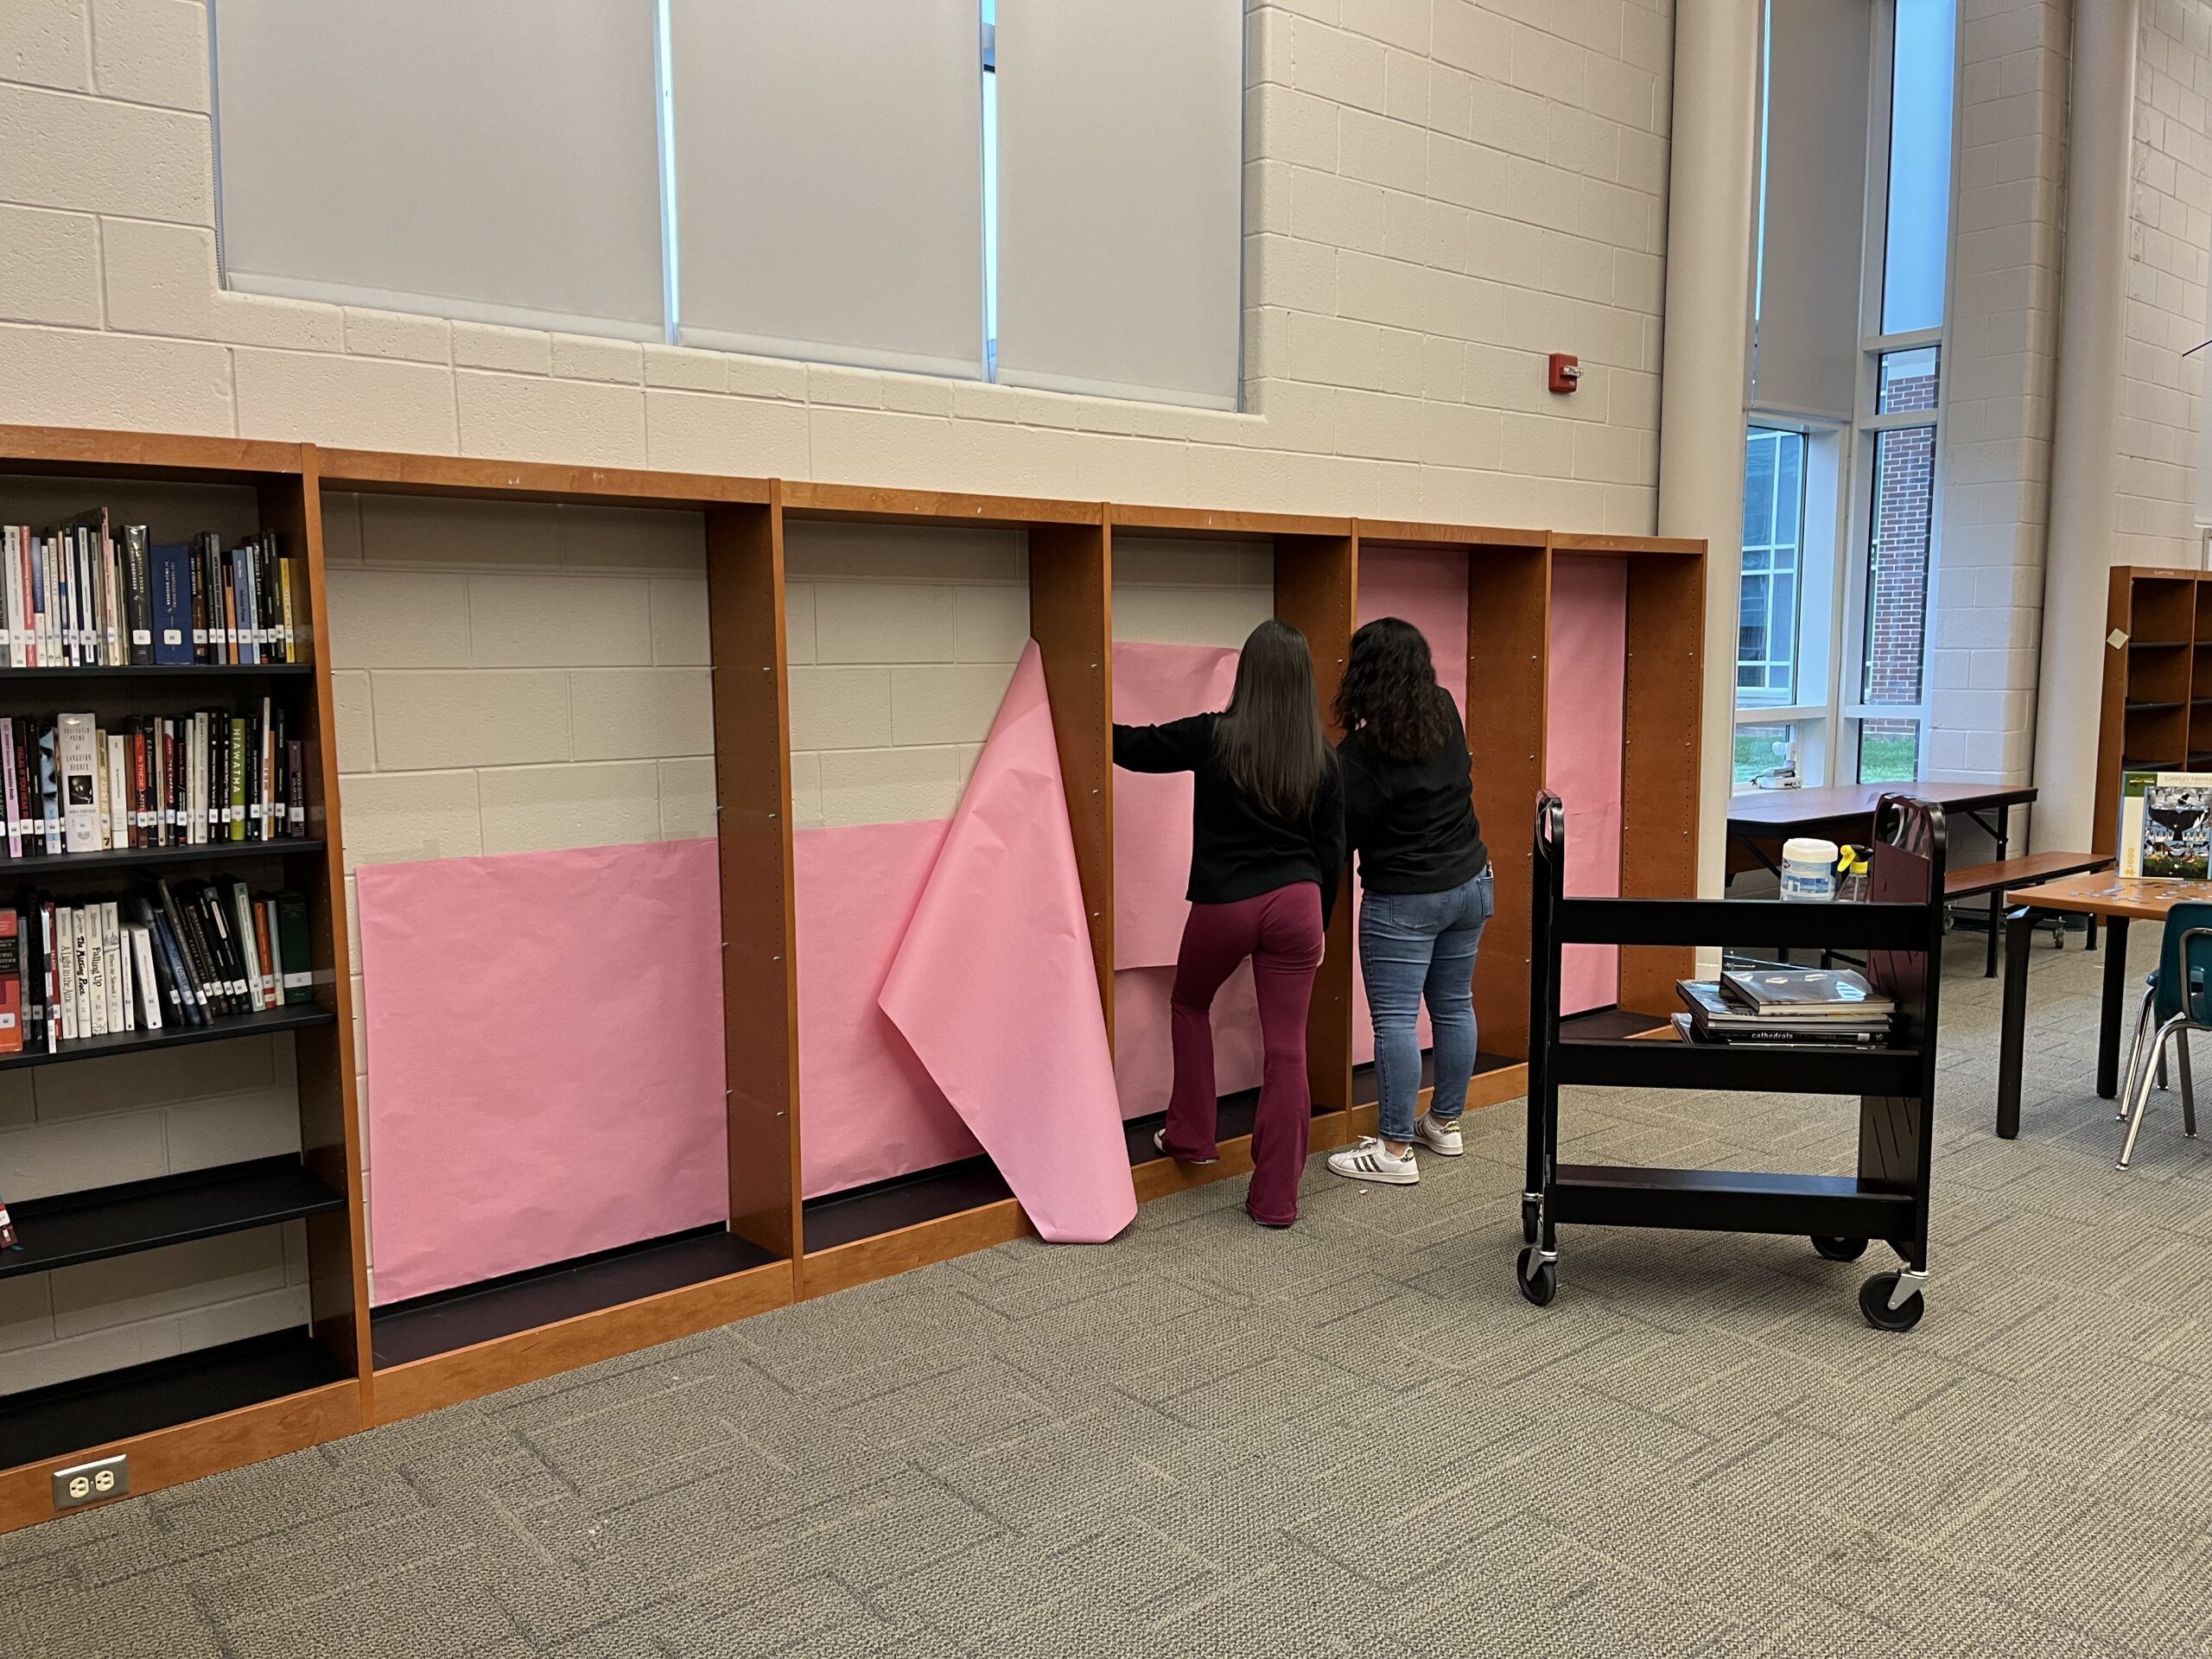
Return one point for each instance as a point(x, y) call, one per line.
point(1412, 944)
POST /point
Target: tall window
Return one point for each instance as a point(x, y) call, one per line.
point(1843, 455)
point(1901, 400)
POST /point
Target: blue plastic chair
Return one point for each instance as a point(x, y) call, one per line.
point(2176, 999)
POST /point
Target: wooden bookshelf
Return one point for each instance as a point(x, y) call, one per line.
point(197, 1413)
point(2157, 709)
point(352, 1367)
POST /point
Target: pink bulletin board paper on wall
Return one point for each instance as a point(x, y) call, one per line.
point(1589, 668)
point(548, 1082)
point(867, 1109)
point(1153, 685)
point(995, 988)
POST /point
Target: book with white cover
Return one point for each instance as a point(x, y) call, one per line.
point(92, 993)
point(112, 967)
point(141, 957)
point(78, 759)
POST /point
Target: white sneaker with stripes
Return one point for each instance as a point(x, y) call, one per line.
point(1370, 1160)
point(1439, 1137)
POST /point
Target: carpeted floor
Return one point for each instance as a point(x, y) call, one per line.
point(1353, 1439)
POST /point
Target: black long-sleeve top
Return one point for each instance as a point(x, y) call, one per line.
point(1238, 849)
point(1412, 822)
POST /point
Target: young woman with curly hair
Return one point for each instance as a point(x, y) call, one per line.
point(1425, 889)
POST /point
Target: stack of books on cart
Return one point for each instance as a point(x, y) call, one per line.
point(1768, 1003)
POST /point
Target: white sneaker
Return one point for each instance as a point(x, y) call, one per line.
point(1439, 1137)
point(1370, 1160)
point(1159, 1145)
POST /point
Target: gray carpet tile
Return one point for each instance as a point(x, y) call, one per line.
point(1352, 1441)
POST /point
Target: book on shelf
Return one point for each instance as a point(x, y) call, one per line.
point(164, 956)
point(1804, 993)
point(156, 781)
point(10, 1240)
point(91, 594)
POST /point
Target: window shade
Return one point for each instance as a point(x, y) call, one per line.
point(1813, 221)
point(1120, 155)
point(830, 199)
point(493, 160)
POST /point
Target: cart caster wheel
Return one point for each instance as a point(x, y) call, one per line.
point(1530, 1215)
point(1840, 1249)
point(1538, 1280)
point(1874, 1303)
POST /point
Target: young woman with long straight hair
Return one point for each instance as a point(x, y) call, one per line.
point(1425, 889)
point(1266, 850)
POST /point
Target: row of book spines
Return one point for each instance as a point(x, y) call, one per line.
point(170, 781)
point(74, 598)
point(73, 971)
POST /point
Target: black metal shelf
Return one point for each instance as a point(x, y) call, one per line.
point(1886, 1200)
point(70, 1417)
point(1727, 1200)
point(1775, 922)
point(109, 1221)
point(132, 858)
point(160, 673)
point(525, 1301)
point(2160, 706)
point(1779, 1068)
point(297, 1016)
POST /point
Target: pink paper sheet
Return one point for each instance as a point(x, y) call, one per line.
point(1152, 811)
point(547, 1077)
point(1588, 683)
point(995, 987)
point(867, 1107)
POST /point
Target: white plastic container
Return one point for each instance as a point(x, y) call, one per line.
point(1808, 869)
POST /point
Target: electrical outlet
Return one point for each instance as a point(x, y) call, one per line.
point(91, 1483)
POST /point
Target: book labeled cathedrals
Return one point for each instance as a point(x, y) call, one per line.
point(70, 784)
point(1754, 1003)
point(164, 956)
point(90, 593)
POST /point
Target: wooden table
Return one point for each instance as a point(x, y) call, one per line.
point(2114, 899)
point(1761, 818)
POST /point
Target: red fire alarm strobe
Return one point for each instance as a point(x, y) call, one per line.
point(1566, 372)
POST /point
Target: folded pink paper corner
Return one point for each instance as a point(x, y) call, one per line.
point(994, 988)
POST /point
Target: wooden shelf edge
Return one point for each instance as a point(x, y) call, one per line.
point(396, 472)
point(421, 1385)
point(80, 450)
point(1400, 532)
point(1207, 521)
point(868, 503)
point(1679, 546)
point(209, 1446)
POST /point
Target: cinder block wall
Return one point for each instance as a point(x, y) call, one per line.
point(1179, 592)
point(903, 640)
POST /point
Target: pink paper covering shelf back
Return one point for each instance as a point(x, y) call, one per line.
point(1589, 666)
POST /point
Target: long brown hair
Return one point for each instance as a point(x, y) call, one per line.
point(1389, 691)
point(1270, 739)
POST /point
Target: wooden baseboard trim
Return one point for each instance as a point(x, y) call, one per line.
point(606, 1333)
point(169, 1457)
point(823, 1272)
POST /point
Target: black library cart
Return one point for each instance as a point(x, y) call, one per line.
point(1900, 932)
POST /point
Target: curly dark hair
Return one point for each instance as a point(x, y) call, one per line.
point(1389, 691)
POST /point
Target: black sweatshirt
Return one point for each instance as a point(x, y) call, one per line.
point(1413, 821)
point(1238, 849)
